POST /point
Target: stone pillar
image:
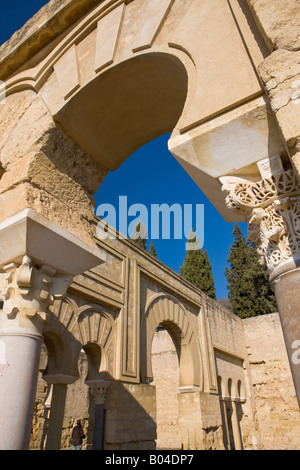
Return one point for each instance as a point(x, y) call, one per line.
point(26, 297)
point(272, 208)
point(199, 420)
point(37, 263)
point(236, 428)
point(287, 293)
point(19, 366)
point(226, 438)
point(99, 390)
point(57, 410)
point(56, 416)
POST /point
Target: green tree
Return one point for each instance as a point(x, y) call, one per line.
point(152, 250)
point(140, 235)
point(196, 267)
point(249, 291)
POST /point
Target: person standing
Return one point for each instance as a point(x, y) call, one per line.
point(77, 436)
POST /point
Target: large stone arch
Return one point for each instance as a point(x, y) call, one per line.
point(126, 106)
point(166, 311)
point(160, 62)
point(226, 137)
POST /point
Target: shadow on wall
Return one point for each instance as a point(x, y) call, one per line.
point(129, 413)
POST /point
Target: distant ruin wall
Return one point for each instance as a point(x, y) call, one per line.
point(277, 412)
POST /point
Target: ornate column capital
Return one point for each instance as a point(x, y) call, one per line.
point(27, 291)
point(271, 206)
point(99, 390)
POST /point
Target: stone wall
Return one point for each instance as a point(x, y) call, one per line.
point(78, 406)
point(232, 367)
point(278, 23)
point(130, 413)
point(270, 417)
point(277, 412)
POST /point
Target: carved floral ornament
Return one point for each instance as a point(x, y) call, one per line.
point(29, 291)
point(272, 208)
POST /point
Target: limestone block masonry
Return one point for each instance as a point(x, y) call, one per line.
point(83, 85)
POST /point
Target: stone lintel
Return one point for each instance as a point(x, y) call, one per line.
point(28, 233)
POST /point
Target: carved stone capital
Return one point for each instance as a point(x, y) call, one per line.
point(277, 230)
point(245, 196)
point(27, 291)
point(272, 208)
point(99, 390)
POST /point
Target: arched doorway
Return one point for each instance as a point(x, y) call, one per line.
point(194, 404)
point(167, 311)
point(78, 366)
point(165, 367)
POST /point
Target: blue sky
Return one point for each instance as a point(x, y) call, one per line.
point(139, 180)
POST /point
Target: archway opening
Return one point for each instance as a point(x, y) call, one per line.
point(165, 367)
point(55, 349)
point(94, 359)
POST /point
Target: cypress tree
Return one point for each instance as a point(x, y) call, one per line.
point(249, 291)
point(139, 236)
point(152, 250)
point(197, 269)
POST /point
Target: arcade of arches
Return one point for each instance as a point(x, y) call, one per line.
point(84, 84)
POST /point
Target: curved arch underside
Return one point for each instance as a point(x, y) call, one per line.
point(128, 105)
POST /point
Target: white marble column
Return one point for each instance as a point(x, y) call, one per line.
point(19, 366)
point(26, 297)
point(37, 263)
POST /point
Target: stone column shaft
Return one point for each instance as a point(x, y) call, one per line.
point(236, 428)
point(56, 417)
point(99, 390)
point(98, 431)
point(25, 291)
point(19, 361)
point(226, 439)
point(287, 293)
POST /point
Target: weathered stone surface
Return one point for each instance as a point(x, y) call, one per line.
point(279, 22)
point(184, 67)
point(51, 21)
point(277, 413)
point(123, 402)
point(279, 25)
point(45, 169)
point(10, 115)
point(280, 73)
